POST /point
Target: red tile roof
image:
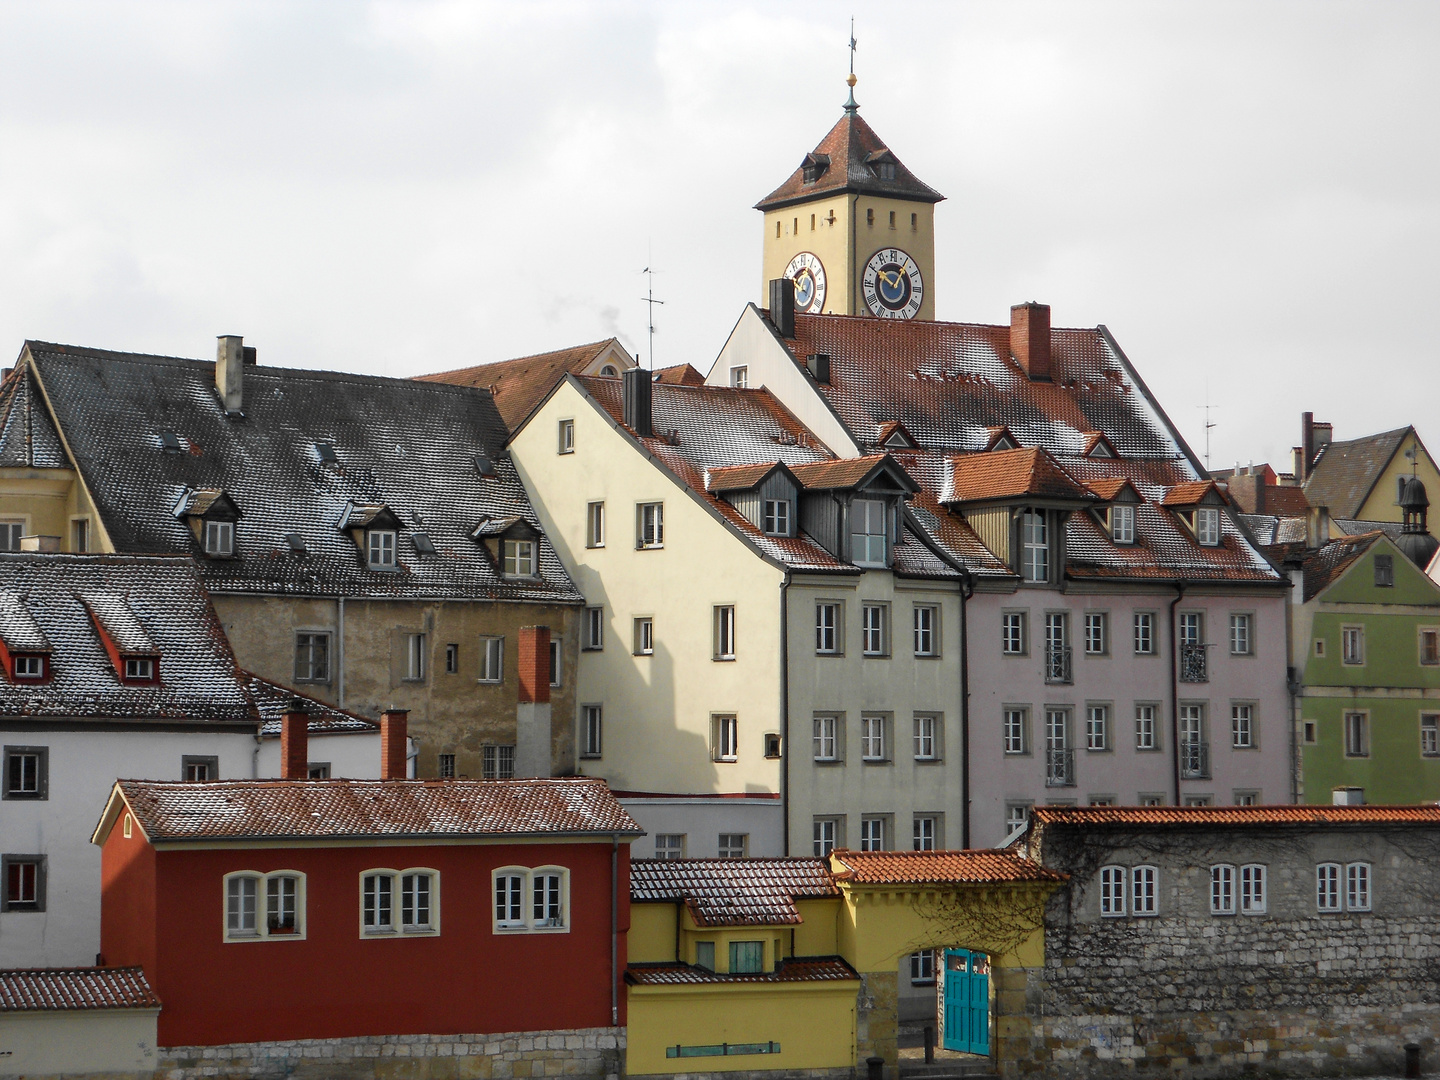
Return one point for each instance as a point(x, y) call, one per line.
point(738, 477)
point(1189, 493)
point(350, 809)
point(1211, 816)
point(680, 375)
point(1108, 488)
point(937, 867)
point(733, 892)
point(808, 969)
point(1325, 565)
point(849, 155)
point(52, 989)
point(1010, 474)
point(846, 472)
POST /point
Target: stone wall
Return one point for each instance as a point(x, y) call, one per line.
point(877, 1028)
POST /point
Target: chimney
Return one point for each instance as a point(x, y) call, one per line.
point(1030, 339)
point(1317, 527)
point(819, 365)
point(1307, 445)
point(782, 306)
point(295, 741)
point(1347, 796)
point(532, 709)
point(635, 396)
point(230, 370)
point(394, 744)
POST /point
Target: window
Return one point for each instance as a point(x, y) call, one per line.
point(733, 845)
point(1144, 633)
point(591, 730)
point(595, 525)
point(872, 834)
point(772, 745)
point(556, 672)
point(1192, 628)
point(1309, 733)
point(1144, 891)
point(1112, 891)
point(1357, 734)
point(139, 669)
point(740, 376)
point(594, 628)
point(80, 535)
point(1034, 547)
point(1352, 645)
point(548, 910)
point(1151, 799)
point(826, 831)
point(1097, 727)
point(418, 895)
point(1122, 524)
point(1357, 886)
point(1240, 639)
point(519, 558)
point(195, 768)
point(924, 832)
point(566, 437)
point(872, 630)
point(532, 900)
point(1252, 889)
point(872, 738)
point(497, 762)
point(219, 539)
point(725, 740)
point(827, 628)
point(23, 883)
point(1429, 735)
point(264, 905)
point(1207, 526)
point(1017, 816)
point(1247, 798)
point(1095, 643)
point(1016, 725)
point(380, 549)
point(725, 632)
point(1430, 647)
point(1384, 571)
point(492, 659)
point(27, 772)
point(645, 636)
point(1198, 800)
point(312, 658)
point(827, 747)
point(1145, 728)
point(747, 957)
point(414, 657)
point(1012, 633)
point(445, 766)
point(925, 746)
point(868, 532)
point(1222, 890)
point(1057, 647)
point(1242, 727)
point(926, 643)
point(29, 667)
point(705, 955)
point(922, 968)
point(669, 845)
point(452, 658)
point(650, 525)
point(1194, 758)
point(1327, 887)
point(777, 517)
point(1319, 647)
point(509, 901)
point(10, 532)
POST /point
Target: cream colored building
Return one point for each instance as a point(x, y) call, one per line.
point(748, 657)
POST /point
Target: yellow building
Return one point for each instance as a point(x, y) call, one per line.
point(1361, 479)
point(767, 965)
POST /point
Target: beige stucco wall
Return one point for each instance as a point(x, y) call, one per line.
point(47, 501)
point(658, 709)
point(1383, 503)
point(450, 713)
point(76, 1042)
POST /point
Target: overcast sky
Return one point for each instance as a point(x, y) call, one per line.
point(1245, 194)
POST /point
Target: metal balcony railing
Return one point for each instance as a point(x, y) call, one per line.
point(1060, 768)
point(1195, 761)
point(1057, 664)
point(1192, 663)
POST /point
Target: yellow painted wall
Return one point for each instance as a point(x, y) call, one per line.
point(658, 708)
point(652, 936)
point(47, 501)
point(810, 1021)
point(819, 924)
point(1383, 503)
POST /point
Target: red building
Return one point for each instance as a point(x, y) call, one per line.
point(303, 909)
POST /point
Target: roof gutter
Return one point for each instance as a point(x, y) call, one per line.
point(373, 837)
point(615, 930)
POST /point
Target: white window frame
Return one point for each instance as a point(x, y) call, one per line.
point(397, 883)
point(309, 639)
point(925, 832)
point(1359, 886)
point(1035, 547)
point(1147, 726)
point(1113, 890)
point(724, 626)
point(863, 534)
point(873, 742)
point(262, 930)
point(565, 437)
point(595, 524)
point(1329, 897)
point(380, 548)
point(649, 526)
point(1122, 523)
point(219, 539)
point(1013, 633)
point(740, 376)
point(825, 832)
point(414, 657)
point(592, 731)
point(670, 846)
point(872, 834)
point(1352, 645)
point(1430, 734)
point(927, 737)
point(1145, 891)
point(139, 668)
point(732, 845)
point(1222, 889)
point(492, 659)
point(29, 667)
point(874, 629)
point(1355, 747)
point(1254, 891)
point(829, 628)
point(594, 629)
point(1096, 633)
point(1242, 636)
point(1242, 726)
point(1097, 727)
point(644, 635)
point(1015, 729)
point(1207, 526)
point(826, 737)
point(497, 761)
point(776, 517)
point(529, 877)
point(521, 558)
point(724, 737)
point(927, 630)
point(1144, 633)
point(1017, 816)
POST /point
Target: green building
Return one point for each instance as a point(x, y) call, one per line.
point(1367, 647)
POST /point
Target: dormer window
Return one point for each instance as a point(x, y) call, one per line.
point(139, 669)
point(380, 549)
point(1034, 547)
point(219, 539)
point(885, 170)
point(868, 533)
point(29, 668)
point(1122, 524)
point(1207, 525)
point(777, 517)
point(519, 558)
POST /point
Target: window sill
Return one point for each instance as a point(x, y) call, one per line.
point(383, 569)
point(532, 930)
point(927, 656)
point(929, 761)
point(1014, 655)
point(830, 655)
point(241, 939)
point(651, 547)
point(723, 659)
point(1018, 753)
point(875, 655)
point(26, 796)
point(489, 682)
point(724, 760)
point(876, 761)
point(828, 761)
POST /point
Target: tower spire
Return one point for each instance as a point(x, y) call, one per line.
point(850, 103)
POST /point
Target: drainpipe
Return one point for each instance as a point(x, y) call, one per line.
point(615, 931)
point(1175, 688)
point(785, 714)
point(967, 590)
point(340, 651)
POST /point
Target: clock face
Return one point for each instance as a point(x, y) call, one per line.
point(809, 277)
point(892, 286)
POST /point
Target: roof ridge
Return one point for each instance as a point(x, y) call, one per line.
point(596, 345)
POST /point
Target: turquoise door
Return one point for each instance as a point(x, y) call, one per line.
point(967, 1001)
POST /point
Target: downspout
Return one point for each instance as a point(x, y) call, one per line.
point(785, 714)
point(614, 931)
point(340, 651)
point(1175, 689)
point(967, 589)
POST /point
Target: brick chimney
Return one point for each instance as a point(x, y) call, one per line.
point(635, 401)
point(295, 741)
point(394, 744)
point(1030, 338)
point(1307, 446)
point(532, 709)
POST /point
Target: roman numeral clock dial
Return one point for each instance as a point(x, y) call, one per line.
point(892, 286)
point(806, 271)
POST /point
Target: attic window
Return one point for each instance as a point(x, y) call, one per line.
point(326, 453)
point(29, 668)
point(139, 669)
point(296, 542)
point(1122, 524)
point(811, 171)
point(170, 442)
point(1207, 525)
point(885, 170)
point(219, 539)
point(380, 548)
point(484, 466)
point(423, 544)
point(519, 558)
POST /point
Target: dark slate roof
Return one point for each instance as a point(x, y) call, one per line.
point(1355, 527)
point(849, 153)
point(803, 969)
point(273, 701)
point(406, 445)
point(1325, 565)
point(168, 606)
point(733, 892)
point(55, 989)
point(1346, 472)
point(28, 438)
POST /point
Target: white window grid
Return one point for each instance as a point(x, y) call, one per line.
point(1122, 524)
point(1145, 727)
point(872, 629)
point(1035, 547)
point(1357, 734)
point(827, 628)
point(1144, 633)
point(1016, 817)
point(776, 517)
point(219, 538)
point(650, 520)
point(1357, 886)
point(1015, 722)
point(727, 739)
point(1242, 727)
point(825, 833)
point(733, 845)
point(1222, 889)
point(1240, 637)
point(669, 846)
point(497, 762)
point(925, 830)
point(1144, 891)
point(380, 549)
point(1253, 898)
point(872, 738)
point(270, 905)
point(492, 659)
point(725, 632)
point(1112, 891)
point(566, 437)
point(592, 730)
point(1012, 633)
point(312, 657)
point(872, 834)
point(29, 667)
point(1430, 734)
point(1097, 727)
point(399, 901)
point(415, 657)
point(868, 532)
point(520, 558)
point(1207, 526)
point(644, 636)
point(531, 899)
point(594, 628)
point(595, 525)
point(826, 738)
point(1352, 645)
point(1095, 633)
point(925, 747)
point(925, 630)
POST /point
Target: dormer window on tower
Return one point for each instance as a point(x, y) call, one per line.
point(869, 533)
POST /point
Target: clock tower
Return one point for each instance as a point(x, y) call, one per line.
point(853, 228)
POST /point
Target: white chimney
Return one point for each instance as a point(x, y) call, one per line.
point(230, 371)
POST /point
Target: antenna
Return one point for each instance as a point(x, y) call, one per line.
point(1208, 425)
point(650, 299)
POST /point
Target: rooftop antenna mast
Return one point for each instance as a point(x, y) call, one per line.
point(649, 299)
point(1208, 425)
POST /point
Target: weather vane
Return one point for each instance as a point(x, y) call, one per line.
point(850, 105)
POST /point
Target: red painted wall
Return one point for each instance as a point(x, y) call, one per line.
point(334, 983)
point(127, 899)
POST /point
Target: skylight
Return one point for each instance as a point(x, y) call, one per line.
point(170, 442)
point(327, 453)
point(296, 542)
point(484, 466)
point(423, 544)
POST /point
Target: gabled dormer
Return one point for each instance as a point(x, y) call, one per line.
point(375, 528)
point(211, 515)
point(1000, 438)
point(513, 545)
point(766, 495)
point(1197, 505)
point(1097, 445)
point(853, 507)
point(893, 436)
point(25, 651)
point(132, 651)
point(1117, 513)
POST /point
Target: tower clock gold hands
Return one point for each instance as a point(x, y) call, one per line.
point(891, 278)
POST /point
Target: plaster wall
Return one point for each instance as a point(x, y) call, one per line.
point(47, 501)
point(701, 821)
point(1383, 502)
point(77, 1042)
point(353, 756)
